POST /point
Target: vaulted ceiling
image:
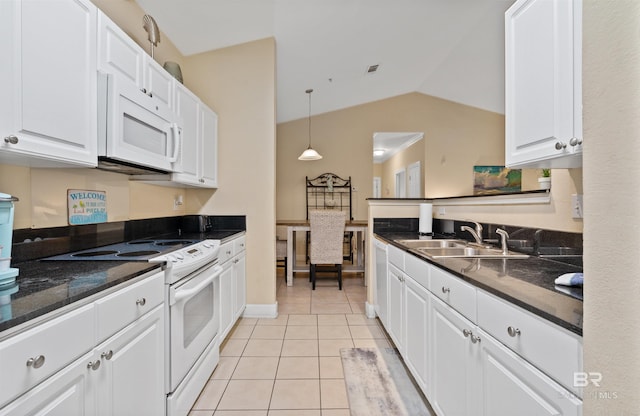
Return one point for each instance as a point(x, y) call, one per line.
point(452, 49)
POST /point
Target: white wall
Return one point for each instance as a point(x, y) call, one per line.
point(611, 79)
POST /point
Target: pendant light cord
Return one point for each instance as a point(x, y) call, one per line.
point(309, 91)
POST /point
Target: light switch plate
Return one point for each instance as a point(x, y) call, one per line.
point(576, 206)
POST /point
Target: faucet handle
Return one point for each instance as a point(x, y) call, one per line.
point(503, 240)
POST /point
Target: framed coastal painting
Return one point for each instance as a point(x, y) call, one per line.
point(492, 180)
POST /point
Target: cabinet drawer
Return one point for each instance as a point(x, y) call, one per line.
point(417, 269)
point(553, 350)
point(119, 309)
point(226, 252)
point(238, 245)
point(452, 290)
point(53, 345)
point(396, 256)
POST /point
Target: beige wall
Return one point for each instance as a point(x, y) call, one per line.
point(456, 138)
point(402, 160)
point(239, 84)
point(611, 97)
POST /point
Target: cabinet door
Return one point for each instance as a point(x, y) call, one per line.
point(187, 107)
point(158, 82)
point(512, 386)
point(209, 160)
point(417, 312)
point(71, 391)
point(395, 308)
point(132, 371)
point(381, 281)
point(226, 300)
point(455, 363)
point(543, 108)
point(118, 54)
point(49, 114)
point(240, 284)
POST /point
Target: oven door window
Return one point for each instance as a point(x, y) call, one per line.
point(194, 319)
point(198, 312)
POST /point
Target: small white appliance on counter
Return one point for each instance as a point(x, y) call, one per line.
point(7, 274)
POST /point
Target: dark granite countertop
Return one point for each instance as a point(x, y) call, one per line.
point(528, 283)
point(43, 286)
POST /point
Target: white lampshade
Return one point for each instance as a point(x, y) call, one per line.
point(310, 154)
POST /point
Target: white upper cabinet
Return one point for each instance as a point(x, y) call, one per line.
point(48, 113)
point(197, 164)
point(121, 57)
point(543, 74)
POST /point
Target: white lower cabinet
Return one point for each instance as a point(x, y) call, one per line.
point(395, 308)
point(454, 365)
point(233, 285)
point(417, 312)
point(66, 374)
point(71, 391)
point(131, 374)
point(511, 386)
point(473, 354)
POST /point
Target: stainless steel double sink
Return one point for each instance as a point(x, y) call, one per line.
point(457, 248)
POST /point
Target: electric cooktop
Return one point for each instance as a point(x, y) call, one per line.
point(136, 250)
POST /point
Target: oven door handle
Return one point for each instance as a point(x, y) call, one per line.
point(186, 293)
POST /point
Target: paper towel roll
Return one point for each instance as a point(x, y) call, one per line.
point(425, 222)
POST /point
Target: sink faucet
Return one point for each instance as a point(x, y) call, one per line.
point(477, 233)
point(503, 240)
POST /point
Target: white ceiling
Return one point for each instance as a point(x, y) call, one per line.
point(453, 49)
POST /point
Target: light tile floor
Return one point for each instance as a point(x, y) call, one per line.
point(291, 366)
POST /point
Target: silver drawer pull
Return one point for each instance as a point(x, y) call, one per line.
point(141, 302)
point(513, 331)
point(475, 339)
point(107, 355)
point(11, 139)
point(36, 362)
point(445, 289)
point(466, 332)
point(94, 365)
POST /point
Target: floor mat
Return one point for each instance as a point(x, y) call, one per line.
point(378, 384)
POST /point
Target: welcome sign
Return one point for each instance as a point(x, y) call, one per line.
point(86, 207)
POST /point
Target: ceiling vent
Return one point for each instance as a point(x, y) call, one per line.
point(372, 68)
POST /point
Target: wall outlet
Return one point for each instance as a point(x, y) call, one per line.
point(576, 206)
point(441, 211)
point(177, 202)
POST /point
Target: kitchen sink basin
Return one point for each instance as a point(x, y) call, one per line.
point(468, 251)
point(432, 243)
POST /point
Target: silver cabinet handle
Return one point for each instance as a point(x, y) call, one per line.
point(11, 139)
point(141, 301)
point(144, 90)
point(466, 333)
point(446, 289)
point(475, 339)
point(107, 355)
point(94, 365)
point(513, 331)
point(575, 141)
point(560, 145)
point(36, 362)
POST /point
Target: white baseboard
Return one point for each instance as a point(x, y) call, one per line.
point(261, 311)
point(369, 310)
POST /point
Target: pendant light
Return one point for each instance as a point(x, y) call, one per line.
point(309, 153)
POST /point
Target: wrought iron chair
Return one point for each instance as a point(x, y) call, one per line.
point(327, 233)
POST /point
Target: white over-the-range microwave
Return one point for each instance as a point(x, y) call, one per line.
point(137, 134)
